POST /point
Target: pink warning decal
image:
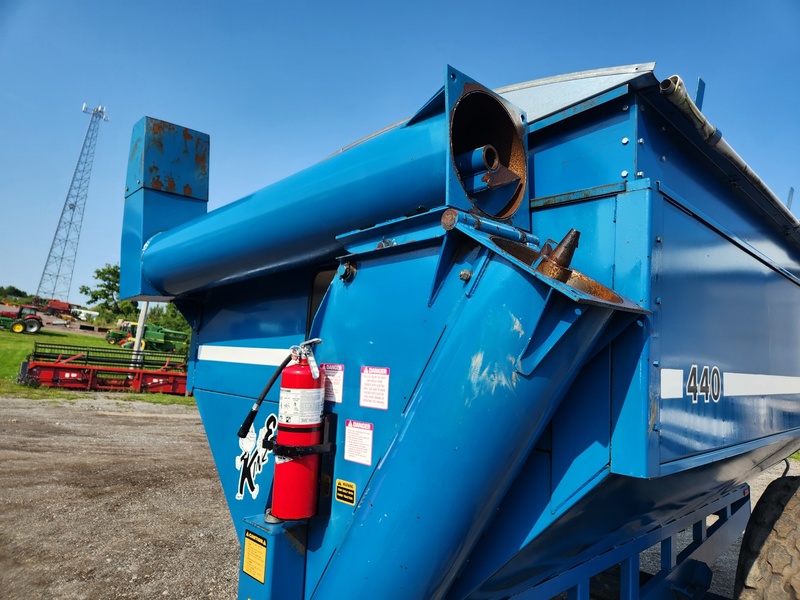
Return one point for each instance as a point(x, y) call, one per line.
point(334, 381)
point(358, 437)
point(374, 387)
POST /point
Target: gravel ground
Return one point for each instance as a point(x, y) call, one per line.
point(105, 498)
point(109, 498)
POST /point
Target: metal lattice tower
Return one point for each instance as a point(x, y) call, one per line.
point(56, 278)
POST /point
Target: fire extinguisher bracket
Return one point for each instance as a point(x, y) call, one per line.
point(295, 451)
point(326, 447)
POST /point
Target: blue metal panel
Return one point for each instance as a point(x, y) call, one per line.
point(486, 329)
point(703, 299)
point(357, 332)
point(168, 158)
point(553, 478)
point(586, 151)
point(272, 561)
point(582, 432)
point(577, 109)
point(666, 156)
point(244, 330)
point(634, 442)
point(166, 185)
point(616, 246)
point(244, 467)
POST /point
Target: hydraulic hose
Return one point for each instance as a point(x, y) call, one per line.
point(248, 421)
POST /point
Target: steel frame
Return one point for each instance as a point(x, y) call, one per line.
point(683, 574)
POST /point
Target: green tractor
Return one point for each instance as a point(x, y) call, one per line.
point(23, 320)
point(155, 337)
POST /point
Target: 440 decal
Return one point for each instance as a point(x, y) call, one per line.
point(708, 384)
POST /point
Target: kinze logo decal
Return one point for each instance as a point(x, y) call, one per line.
point(254, 456)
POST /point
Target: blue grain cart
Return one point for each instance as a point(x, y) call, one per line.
point(559, 326)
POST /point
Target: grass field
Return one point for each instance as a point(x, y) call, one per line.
point(14, 347)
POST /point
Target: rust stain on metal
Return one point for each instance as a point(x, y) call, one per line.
point(201, 161)
point(170, 184)
point(153, 169)
point(187, 190)
point(552, 269)
point(521, 252)
point(473, 87)
point(134, 149)
point(156, 183)
point(594, 288)
point(186, 135)
point(162, 127)
point(449, 219)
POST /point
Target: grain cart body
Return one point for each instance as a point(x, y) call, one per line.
point(558, 324)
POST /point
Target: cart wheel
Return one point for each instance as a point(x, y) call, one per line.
point(111, 341)
point(769, 559)
point(32, 326)
point(18, 326)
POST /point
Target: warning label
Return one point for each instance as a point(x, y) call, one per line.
point(358, 442)
point(375, 387)
point(254, 558)
point(301, 407)
point(346, 492)
point(334, 381)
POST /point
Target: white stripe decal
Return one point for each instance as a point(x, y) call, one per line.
point(247, 356)
point(672, 383)
point(751, 384)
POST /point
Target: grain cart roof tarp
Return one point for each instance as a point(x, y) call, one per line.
point(542, 98)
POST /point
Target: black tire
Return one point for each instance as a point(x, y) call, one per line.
point(769, 559)
point(32, 326)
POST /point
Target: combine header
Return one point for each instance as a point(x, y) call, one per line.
point(520, 337)
point(107, 369)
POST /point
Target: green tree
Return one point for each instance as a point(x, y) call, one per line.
point(12, 292)
point(105, 296)
point(169, 317)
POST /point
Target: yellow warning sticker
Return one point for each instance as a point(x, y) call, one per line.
point(254, 561)
point(346, 492)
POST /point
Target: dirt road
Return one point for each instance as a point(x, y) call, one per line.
point(107, 498)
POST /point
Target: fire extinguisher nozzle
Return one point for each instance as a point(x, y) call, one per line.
point(248, 422)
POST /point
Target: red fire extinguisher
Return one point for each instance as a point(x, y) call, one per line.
point(302, 398)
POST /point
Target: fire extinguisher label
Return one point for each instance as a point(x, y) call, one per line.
point(375, 387)
point(301, 407)
point(358, 441)
point(334, 381)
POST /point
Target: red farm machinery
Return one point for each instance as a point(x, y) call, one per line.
point(105, 369)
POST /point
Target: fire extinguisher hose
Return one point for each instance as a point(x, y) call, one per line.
point(248, 422)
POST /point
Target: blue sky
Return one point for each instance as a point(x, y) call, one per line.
point(279, 86)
